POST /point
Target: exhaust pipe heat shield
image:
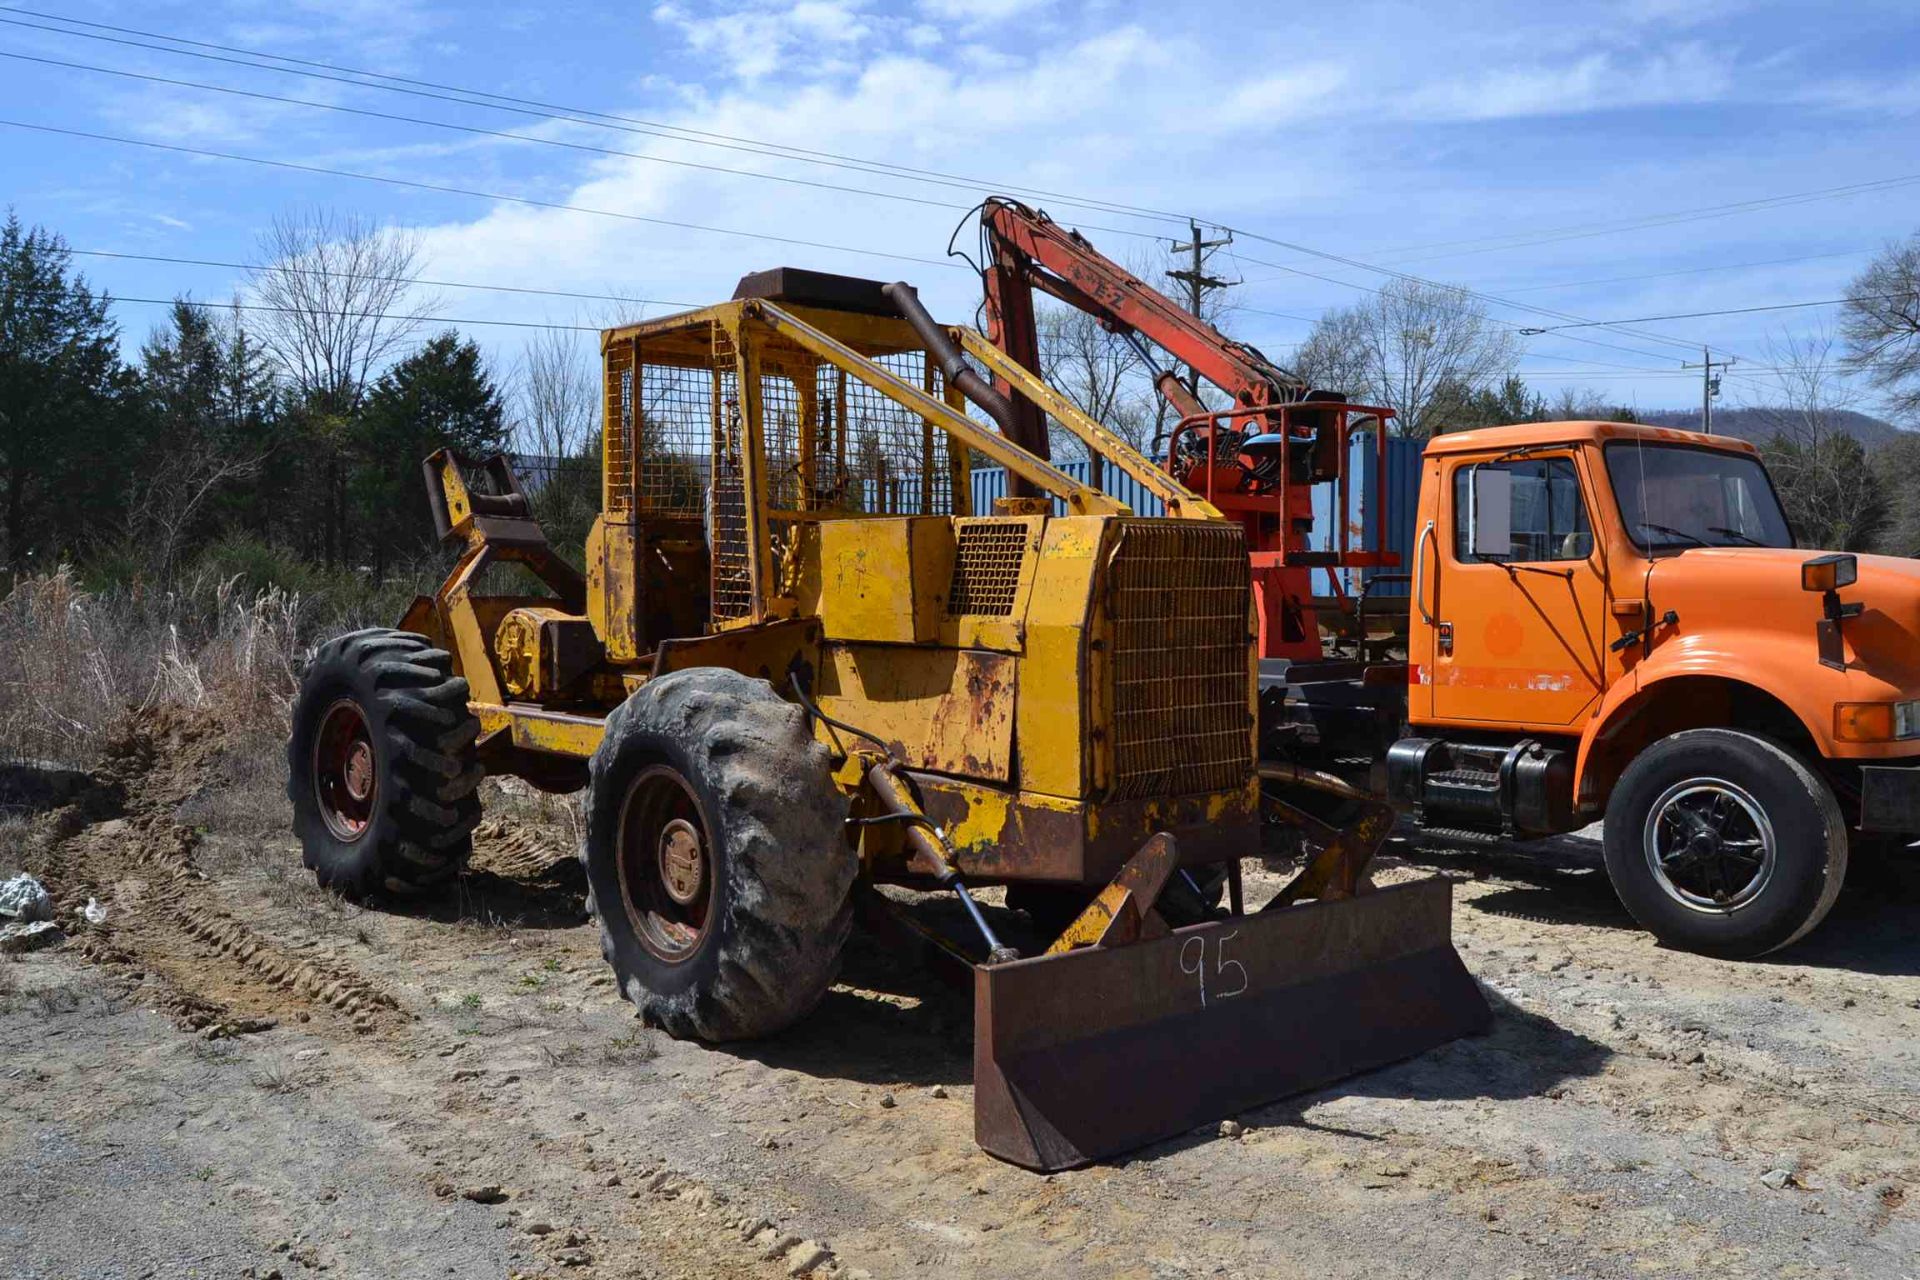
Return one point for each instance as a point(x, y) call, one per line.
point(1094, 1052)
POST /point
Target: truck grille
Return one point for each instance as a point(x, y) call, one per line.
point(1178, 594)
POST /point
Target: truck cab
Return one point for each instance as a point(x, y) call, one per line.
point(1612, 622)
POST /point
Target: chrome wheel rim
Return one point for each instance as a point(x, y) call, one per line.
point(1710, 845)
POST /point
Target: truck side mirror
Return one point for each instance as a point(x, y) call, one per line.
point(1490, 512)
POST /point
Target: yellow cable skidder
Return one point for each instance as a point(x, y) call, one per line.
point(799, 666)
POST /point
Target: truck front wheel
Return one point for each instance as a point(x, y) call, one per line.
point(1724, 843)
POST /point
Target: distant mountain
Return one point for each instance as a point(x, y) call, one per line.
point(1758, 425)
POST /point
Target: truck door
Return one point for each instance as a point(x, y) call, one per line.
point(1519, 594)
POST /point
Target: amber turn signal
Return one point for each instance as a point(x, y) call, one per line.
point(1829, 572)
point(1876, 721)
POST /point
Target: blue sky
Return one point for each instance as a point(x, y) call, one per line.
point(1523, 150)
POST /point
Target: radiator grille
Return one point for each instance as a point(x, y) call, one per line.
point(1178, 599)
point(986, 567)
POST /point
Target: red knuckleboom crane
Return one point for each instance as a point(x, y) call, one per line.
point(1257, 459)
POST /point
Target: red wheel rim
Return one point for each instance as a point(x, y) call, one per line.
point(346, 775)
point(665, 864)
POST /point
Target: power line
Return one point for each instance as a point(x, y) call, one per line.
point(550, 111)
point(118, 255)
point(112, 299)
point(1729, 311)
point(1367, 288)
point(480, 195)
point(1526, 307)
point(510, 137)
point(583, 115)
point(649, 125)
point(1587, 230)
point(1111, 206)
point(1688, 271)
point(516, 199)
point(356, 275)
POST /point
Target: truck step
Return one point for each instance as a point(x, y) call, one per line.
point(1461, 835)
point(1467, 779)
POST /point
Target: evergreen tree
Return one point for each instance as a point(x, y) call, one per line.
point(440, 397)
point(209, 427)
point(1458, 407)
point(63, 395)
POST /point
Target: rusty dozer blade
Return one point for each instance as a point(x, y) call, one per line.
point(1087, 1052)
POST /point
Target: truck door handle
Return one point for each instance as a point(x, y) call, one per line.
point(1420, 572)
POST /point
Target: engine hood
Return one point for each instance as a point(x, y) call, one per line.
point(1746, 604)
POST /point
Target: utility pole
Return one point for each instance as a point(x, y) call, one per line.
point(1197, 280)
point(1709, 385)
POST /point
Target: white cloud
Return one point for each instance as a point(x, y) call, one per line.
point(384, 32)
point(1357, 133)
point(981, 13)
point(1287, 95)
point(1687, 73)
point(756, 41)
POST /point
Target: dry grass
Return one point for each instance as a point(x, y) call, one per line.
point(277, 1077)
point(73, 662)
point(16, 833)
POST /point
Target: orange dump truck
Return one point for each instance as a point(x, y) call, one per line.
point(1612, 623)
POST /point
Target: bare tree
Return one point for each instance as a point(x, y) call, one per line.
point(1406, 344)
point(1100, 372)
point(1581, 404)
point(1805, 392)
point(1881, 326)
point(336, 289)
point(165, 499)
point(1835, 499)
point(558, 394)
point(1335, 355)
point(1897, 463)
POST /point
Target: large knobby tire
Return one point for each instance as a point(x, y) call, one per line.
point(716, 854)
point(1725, 843)
point(380, 764)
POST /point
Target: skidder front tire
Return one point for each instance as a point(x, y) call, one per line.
point(1725, 843)
point(380, 765)
point(716, 856)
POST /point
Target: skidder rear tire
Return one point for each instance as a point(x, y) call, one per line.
point(380, 765)
point(716, 855)
point(1725, 843)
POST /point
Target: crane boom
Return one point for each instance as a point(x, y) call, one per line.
point(1257, 460)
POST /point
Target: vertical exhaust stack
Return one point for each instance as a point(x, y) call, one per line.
point(953, 366)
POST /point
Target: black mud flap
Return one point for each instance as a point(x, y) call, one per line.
point(1095, 1052)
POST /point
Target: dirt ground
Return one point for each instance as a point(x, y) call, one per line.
point(237, 1075)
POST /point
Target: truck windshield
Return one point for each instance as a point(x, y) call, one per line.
point(1673, 496)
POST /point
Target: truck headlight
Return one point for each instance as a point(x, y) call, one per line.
point(1876, 721)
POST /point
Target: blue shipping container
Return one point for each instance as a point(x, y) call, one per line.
point(1363, 513)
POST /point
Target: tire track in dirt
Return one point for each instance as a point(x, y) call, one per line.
point(177, 949)
point(121, 845)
